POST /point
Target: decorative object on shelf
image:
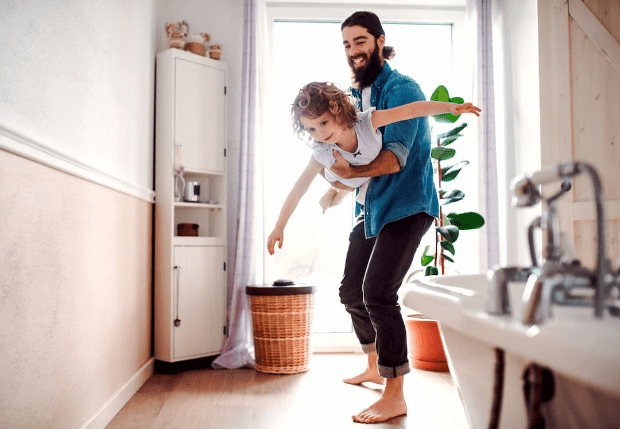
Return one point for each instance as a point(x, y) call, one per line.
point(179, 180)
point(177, 34)
point(215, 51)
point(192, 191)
point(187, 229)
point(197, 43)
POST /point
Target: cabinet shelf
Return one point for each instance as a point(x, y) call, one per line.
point(199, 205)
point(203, 172)
point(199, 241)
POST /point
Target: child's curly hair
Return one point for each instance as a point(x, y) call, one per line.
point(316, 98)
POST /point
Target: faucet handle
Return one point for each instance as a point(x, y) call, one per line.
point(497, 299)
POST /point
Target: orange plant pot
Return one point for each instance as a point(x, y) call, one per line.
point(424, 341)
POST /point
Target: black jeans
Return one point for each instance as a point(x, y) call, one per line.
point(374, 271)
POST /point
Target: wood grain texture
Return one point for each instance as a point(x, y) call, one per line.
point(248, 399)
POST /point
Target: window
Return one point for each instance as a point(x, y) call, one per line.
point(304, 50)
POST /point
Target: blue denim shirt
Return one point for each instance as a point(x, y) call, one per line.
point(412, 189)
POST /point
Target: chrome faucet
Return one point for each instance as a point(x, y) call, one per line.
point(560, 280)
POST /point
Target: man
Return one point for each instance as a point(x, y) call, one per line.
point(400, 205)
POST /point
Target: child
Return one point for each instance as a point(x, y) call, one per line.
point(325, 114)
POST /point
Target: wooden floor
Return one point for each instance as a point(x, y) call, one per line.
point(248, 399)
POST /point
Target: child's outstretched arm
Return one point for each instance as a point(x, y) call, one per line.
point(417, 109)
point(299, 189)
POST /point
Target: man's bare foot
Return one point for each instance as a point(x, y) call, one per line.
point(371, 373)
point(391, 404)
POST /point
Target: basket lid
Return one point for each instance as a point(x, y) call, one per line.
point(280, 287)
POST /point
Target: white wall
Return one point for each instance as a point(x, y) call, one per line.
point(76, 80)
point(517, 103)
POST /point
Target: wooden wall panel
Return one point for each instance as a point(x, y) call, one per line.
point(608, 13)
point(586, 241)
point(596, 114)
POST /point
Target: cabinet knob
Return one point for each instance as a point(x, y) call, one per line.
point(177, 322)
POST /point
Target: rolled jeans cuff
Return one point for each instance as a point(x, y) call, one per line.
point(394, 371)
point(369, 348)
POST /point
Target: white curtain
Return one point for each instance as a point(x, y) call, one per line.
point(479, 21)
point(238, 348)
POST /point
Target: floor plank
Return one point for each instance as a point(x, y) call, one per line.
point(248, 399)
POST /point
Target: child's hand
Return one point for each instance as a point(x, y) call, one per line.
point(459, 109)
point(276, 236)
point(327, 200)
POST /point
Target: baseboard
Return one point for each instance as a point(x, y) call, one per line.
point(101, 419)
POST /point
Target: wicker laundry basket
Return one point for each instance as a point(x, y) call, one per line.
point(282, 323)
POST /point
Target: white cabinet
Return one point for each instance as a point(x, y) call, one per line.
point(190, 278)
point(197, 285)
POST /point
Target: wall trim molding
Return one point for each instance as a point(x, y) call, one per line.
point(596, 32)
point(105, 415)
point(25, 147)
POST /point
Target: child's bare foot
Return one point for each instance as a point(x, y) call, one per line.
point(371, 373)
point(391, 404)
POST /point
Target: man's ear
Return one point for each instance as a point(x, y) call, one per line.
point(381, 44)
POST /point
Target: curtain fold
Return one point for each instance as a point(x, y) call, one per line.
point(238, 347)
point(479, 18)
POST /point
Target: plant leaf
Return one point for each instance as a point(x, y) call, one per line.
point(453, 196)
point(449, 232)
point(431, 271)
point(440, 94)
point(442, 153)
point(465, 221)
point(449, 173)
point(447, 257)
point(426, 259)
point(449, 140)
point(453, 131)
point(448, 246)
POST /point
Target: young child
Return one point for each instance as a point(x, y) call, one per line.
point(326, 116)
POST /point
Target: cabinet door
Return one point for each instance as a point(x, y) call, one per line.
point(200, 109)
point(199, 301)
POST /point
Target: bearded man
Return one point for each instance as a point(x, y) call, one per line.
point(400, 205)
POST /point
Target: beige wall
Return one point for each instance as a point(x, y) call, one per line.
point(75, 297)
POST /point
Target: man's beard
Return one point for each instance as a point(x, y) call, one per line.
point(365, 76)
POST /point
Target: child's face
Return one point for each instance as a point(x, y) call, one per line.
point(325, 128)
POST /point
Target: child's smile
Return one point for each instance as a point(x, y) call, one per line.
point(324, 129)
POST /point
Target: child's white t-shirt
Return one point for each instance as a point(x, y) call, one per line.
point(368, 147)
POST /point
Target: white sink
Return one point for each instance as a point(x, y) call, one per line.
point(582, 352)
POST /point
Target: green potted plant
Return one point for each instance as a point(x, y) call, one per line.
point(425, 346)
point(447, 226)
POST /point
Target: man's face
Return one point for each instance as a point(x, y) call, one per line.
point(363, 53)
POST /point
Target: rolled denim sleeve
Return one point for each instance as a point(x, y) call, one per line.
point(399, 150)
point(399, 137)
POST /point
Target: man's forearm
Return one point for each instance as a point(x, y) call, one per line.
point(385, 163)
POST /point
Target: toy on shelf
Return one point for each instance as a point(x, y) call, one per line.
point(177, 34)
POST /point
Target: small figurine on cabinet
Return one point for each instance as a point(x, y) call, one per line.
point(177, 34)
point(215, 51)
